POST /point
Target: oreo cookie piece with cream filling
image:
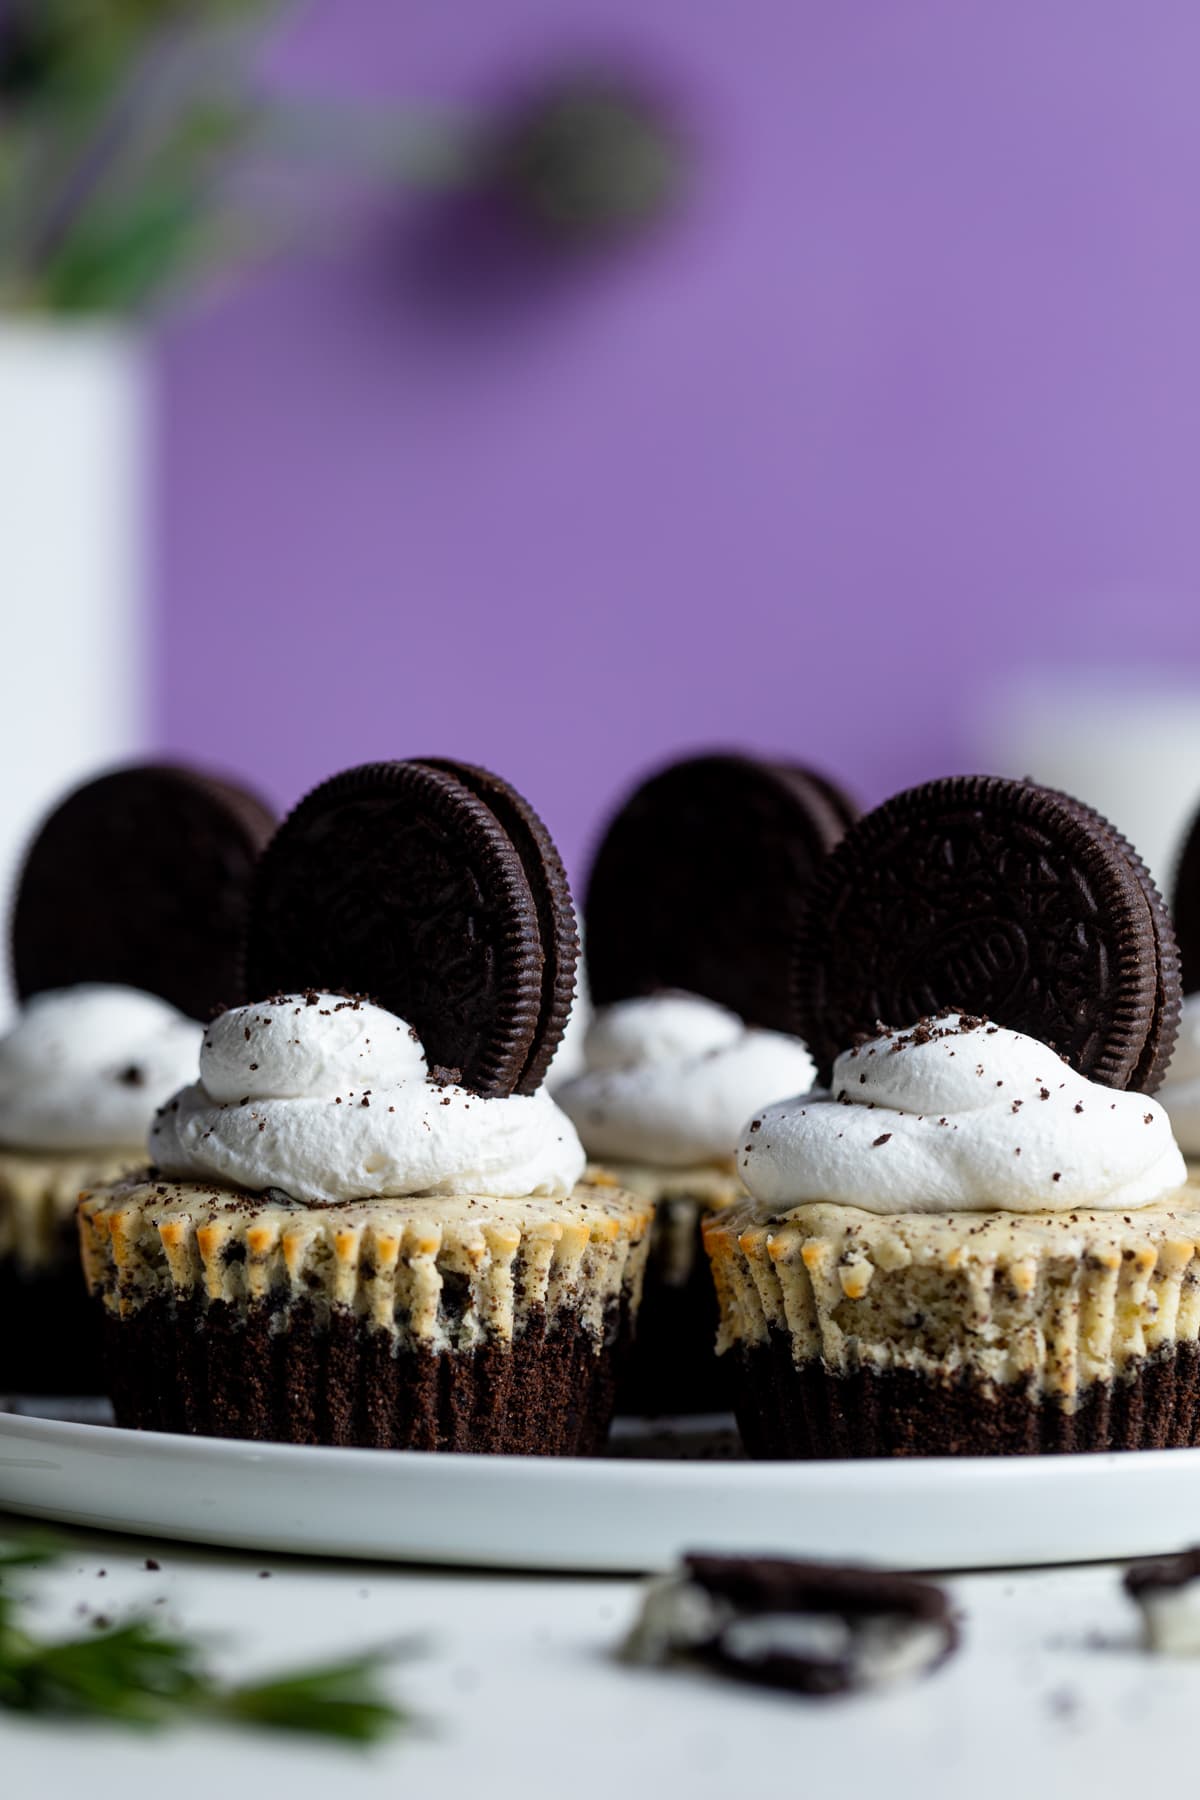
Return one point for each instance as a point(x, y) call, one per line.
point(807, 1628)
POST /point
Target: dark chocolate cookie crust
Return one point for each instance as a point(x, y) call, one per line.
point(994, 897)
point(397, 881)
point(142, 878)
point(217, 1372)
point(790, 1411)
point(700, 878)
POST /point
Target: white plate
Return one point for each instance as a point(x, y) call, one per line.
point(633, 1510)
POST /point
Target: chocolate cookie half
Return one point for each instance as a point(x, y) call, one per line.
point(700, 878)
point(1168, 995)
point(433, 888)
point(141, 878)
point(994, 897)
point(551, 891)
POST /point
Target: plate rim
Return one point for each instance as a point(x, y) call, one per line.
point(115, 1440)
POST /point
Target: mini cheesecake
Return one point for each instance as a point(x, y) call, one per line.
point(367, 1222)
point(125, 932)
point(698, 885)
point(976, 1235)
point(457, 1324)
point(669, 1080)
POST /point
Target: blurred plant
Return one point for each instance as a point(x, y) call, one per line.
point(137, 1674)
point(116, 117)
point(588, 158)
point(122, 122)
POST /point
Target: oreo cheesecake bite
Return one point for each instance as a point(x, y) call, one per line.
point(126, 933)
point(805, 1628)
point(366, 1222)
point(976, 1236)
point(692, 908)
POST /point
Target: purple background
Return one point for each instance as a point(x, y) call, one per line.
point(907, 403)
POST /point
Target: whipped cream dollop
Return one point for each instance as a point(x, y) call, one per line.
point(670, 1079)
point(957, 1115)
point(85, 1068)
point(1180, 1092)
point(330, 1099)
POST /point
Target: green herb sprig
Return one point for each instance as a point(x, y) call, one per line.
point(136, 1674)
point(140, 151)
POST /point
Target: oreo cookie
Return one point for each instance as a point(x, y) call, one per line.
point(434, 888)
point(1168, 994)
point(700, 880)
point(809, 1628)
point(557, 927)
point(1185, 908)
point(142, 878)
point(992, 897)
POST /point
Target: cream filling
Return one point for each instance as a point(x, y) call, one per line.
point(1171, 1618)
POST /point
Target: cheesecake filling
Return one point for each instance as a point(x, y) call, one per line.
point(450, 1275)
point(325, 1099)
point(670, 1077)
point(38, 1196)
point(1057, 1301)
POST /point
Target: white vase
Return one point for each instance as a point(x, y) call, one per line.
point(74, 504)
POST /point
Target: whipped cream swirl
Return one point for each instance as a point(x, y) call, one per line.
point(961, 1116)
point(1180, 1092)
point(330, 1099)
point(670, 1079)
point(84, 1068)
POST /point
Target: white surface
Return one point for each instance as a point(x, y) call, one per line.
point(74, 476)
point(610, 1514)
point(1122, 743)
point(519, 1695)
